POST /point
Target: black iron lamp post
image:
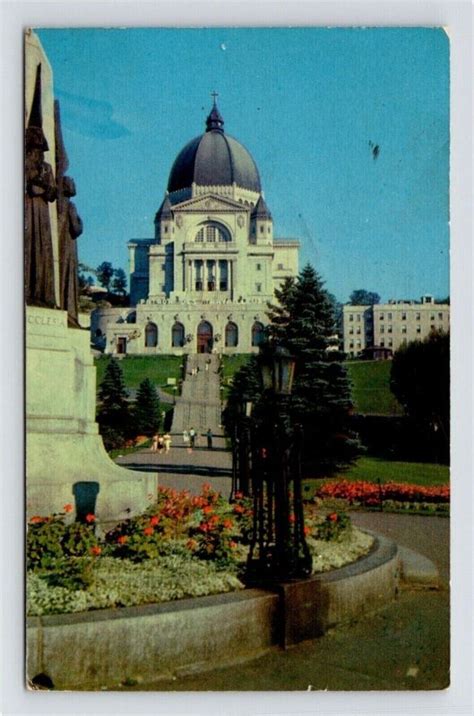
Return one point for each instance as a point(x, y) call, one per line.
point(241, 457)
point(278, 549)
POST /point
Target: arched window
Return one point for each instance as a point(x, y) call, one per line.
point(231, 335)
point(151, 335)
point(177, 335)
point(258, 334)
point(132, 317)
point(211, 233)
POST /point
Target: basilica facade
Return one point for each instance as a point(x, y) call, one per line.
point(203, 282)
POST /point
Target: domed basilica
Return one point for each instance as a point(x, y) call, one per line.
point(202, 283)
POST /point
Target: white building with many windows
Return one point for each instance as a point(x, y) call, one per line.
point(203, 281)
point(389, 325)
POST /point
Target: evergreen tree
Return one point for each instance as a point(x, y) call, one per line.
point(147, 412)
point(114, 412)
point(104, 274)
point(303, 322)
point(119, 284)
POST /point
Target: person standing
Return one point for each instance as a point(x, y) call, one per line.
point(154, 443)
point(185, 437)
point(209, 439)
point(167, 441)
point(161, 444)
point(192, 437)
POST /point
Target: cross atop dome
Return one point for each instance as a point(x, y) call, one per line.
point(214, 122)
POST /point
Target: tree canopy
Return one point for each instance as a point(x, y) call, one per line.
point(114, 413)
point(361, 297)
point(147, 412)
point(303, 322)
point(105, 272)
point(420, 381)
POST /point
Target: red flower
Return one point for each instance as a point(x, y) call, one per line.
point(232, 544)
point(90, 518)
point(148, 531)
point(239, 509)
point(154, 520)
point(307, 530)
point(68, 507)
point(208, 509)
point(333, 517)
point(95, 550)
point(37, 520)
point(122, 539)
point(292, 518)
point(239, 495)
point(228, 524)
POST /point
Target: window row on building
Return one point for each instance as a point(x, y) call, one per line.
point(204, 332)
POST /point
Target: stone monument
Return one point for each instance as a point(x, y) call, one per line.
point(65, 460)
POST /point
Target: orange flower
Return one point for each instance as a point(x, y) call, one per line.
point(122, 539)
point(333, 517)
point(154, 520)
point(90, 518)
point(207, 509)
point(68, 507)
point(307, 530)
point(232, 544)
point(95, 551)
point(228, 524)
point(36, 520)
point(148, 531)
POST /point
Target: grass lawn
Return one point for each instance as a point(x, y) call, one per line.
point(371, 388)
point(231, 364)
point(136, 368)
point(417, 473)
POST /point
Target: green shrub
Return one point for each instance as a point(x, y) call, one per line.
point(49, 542)
point(336, 526)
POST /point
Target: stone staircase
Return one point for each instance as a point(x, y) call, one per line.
point(199, 404)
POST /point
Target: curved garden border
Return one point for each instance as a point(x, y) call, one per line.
point(105, 647)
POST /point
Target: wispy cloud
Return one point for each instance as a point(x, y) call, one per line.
point(89, 117)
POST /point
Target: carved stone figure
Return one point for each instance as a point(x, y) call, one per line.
point(40, 189)
point(69, 228)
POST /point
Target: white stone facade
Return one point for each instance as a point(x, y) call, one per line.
point(389, 325)
point(203, 282)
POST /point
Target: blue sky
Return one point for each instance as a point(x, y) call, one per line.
point(307, 103)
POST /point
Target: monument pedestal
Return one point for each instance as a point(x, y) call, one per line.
point(66, 461)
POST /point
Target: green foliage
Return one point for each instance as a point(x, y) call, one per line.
point(114, 413)
point(147, 410)
point(361, 297)
point(321, 401)
point(420, 380)
point(371, 388)
point(50, 542)
point(121, 583)
point(119, 284)
point(104, 272)
point(335, 527)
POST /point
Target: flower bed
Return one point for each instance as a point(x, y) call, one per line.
point(182, 546)
point(389, 495)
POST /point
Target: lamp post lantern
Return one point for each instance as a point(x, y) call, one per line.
point(278, 549)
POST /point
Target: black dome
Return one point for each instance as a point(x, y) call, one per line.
point(214, 159)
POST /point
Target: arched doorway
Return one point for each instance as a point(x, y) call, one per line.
point(204, 337)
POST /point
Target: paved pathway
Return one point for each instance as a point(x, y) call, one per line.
point(198, 407)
